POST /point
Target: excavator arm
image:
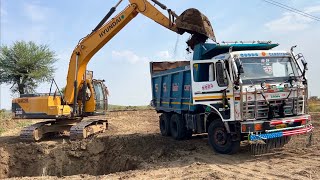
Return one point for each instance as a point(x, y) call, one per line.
point(104, 32)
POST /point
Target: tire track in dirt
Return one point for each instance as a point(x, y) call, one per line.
point(244, 171)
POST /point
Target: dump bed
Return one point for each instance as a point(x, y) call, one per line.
point(171, 86)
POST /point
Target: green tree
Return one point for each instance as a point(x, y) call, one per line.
point(25, 65)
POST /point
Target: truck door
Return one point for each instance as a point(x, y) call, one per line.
point(209, 81)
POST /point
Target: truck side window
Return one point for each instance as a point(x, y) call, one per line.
point(203, 72)
point(222, 79)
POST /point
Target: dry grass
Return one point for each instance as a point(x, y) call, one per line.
point(314, 106)
point(126, 108)
point(7, 124)
point(2, 130)
point(4, 116)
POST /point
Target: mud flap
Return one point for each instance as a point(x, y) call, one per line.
point(309, 139)
point(259, 147)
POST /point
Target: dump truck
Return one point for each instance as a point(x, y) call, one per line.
point(234, 92)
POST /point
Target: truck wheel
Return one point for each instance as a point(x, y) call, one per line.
point(177, 126)
point(220, 140)
point(164, 124)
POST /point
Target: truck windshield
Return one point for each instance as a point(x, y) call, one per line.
point(271, 68)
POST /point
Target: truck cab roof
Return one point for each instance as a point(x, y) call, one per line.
point(210, 50)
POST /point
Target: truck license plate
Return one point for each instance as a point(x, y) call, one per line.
point(280, 126)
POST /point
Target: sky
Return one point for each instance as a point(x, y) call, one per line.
point(124, 62)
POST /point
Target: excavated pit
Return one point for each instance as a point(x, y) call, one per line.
point(97, 156)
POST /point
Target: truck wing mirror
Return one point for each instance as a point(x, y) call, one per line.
point(304, 63)
point(221, 74)
point(239, 66)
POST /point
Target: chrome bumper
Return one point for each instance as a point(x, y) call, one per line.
point(282, 132)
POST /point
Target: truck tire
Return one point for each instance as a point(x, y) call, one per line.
point(220, 140)
point(164, 124)
point(177, 126)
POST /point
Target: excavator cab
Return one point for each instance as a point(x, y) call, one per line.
point(95, 99)
point(101, 96)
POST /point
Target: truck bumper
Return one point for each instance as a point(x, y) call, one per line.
point(303, 130)
point(278, 128)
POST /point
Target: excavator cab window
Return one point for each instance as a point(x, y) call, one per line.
point(101, 96)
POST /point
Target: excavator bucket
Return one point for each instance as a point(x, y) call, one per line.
point(197, 24)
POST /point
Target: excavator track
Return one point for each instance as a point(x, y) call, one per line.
point(87, 128)
point(33, 132)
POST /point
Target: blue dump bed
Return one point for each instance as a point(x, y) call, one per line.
point(171, 86)
point(171, 81)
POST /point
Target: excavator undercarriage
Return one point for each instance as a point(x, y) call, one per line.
point(76, 129)
point(59, 120)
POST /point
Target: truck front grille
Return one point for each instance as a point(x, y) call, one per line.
point(260, 109)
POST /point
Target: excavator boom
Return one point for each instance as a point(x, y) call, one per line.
point(191, 21)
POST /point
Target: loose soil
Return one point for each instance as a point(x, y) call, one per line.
point(133, 148)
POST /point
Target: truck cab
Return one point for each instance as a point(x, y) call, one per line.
point(269, 76)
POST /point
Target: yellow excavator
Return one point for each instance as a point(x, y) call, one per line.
point(85, 96)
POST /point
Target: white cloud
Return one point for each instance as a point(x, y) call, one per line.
point(164, 55)
point(133, 58)
point(313, 9)
point(36, 12)
point(40, 17)
point(3, 15)
point(3, 12)
point(292, 22)
point(130, 56)
point(289, 22)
